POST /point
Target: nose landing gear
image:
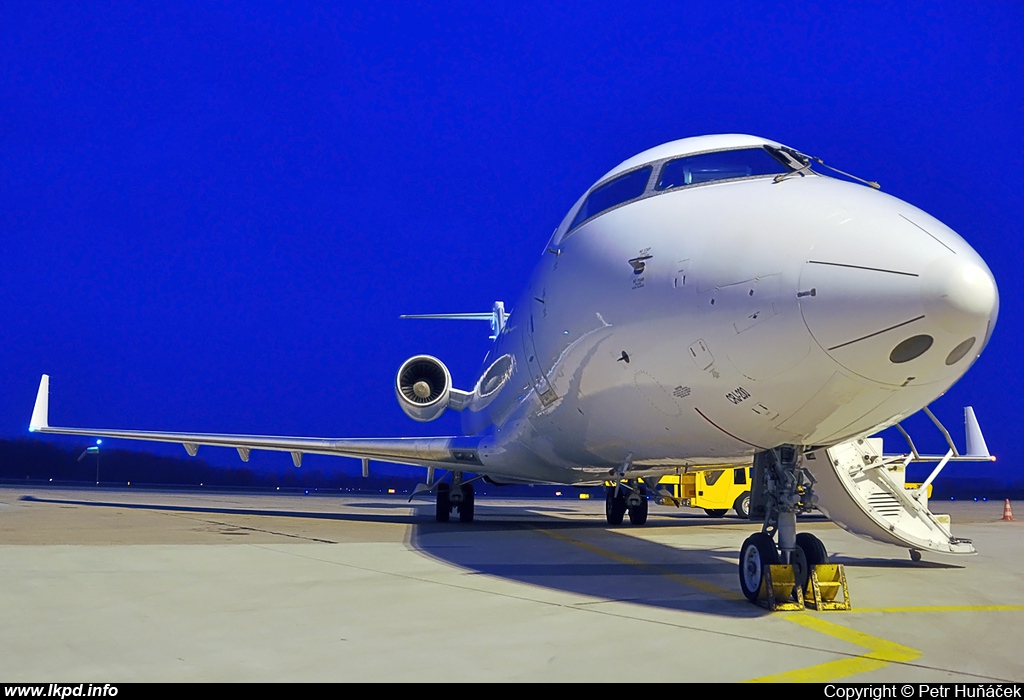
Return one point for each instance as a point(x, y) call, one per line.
point(781, 491)
point(757, 553)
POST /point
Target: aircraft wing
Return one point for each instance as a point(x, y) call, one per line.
point(447, 452)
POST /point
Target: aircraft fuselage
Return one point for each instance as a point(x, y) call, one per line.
point(710, 321)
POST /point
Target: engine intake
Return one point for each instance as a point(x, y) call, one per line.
point(423, 386)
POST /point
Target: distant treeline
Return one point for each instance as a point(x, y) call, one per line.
point(39, 461)
point(962, 488)
point(36, 460)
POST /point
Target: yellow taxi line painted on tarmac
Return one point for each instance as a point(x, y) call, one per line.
point(880, 652)
point(944, 608)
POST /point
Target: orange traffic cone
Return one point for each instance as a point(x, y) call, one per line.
point(1007, 513)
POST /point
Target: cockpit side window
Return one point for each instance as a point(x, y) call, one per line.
point(611, 194)
point(719, 165)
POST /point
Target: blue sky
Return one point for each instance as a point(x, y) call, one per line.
point(212, 214)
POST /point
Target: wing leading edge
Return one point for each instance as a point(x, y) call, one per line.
point(448, 452)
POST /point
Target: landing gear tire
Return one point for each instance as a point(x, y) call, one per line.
point(444, 503)
point(742, 505)
point(758, 551)
point(915, 555)
point(467, 505)
point(715, 512)
point(813, 548)
point(809, 553)
point(638, 512)
point(614, 506)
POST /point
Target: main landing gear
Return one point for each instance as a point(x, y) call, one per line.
point(627, 496)
point(781, 491)
point(458, 496)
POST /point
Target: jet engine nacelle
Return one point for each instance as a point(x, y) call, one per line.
point(424, 387)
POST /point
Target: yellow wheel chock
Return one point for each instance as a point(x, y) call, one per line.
point(779, 589)
point(824, 586)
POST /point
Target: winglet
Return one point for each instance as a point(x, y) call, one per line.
point(976, 446)
point(41, 412)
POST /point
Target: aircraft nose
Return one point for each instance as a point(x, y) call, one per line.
point(901, 309)
point(958, 294)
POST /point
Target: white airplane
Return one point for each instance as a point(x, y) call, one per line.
point(708, 303)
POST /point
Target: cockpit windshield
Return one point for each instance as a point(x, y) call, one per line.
point(719, 165)
point(671, 173)
point(620, 190)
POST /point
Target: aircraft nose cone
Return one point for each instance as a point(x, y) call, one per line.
point(894, 295)
point(901, 323)
point(959, 295)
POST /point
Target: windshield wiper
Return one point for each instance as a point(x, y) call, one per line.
point(869, 183)
point(798, 163)
point(801, 163)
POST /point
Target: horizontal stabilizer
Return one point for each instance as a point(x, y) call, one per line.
point(452, 317)
point(496, 316)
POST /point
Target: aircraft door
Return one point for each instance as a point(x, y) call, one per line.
point(862, 495)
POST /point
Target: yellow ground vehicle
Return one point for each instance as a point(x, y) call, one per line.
point(715, 491)
point(719, 490)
